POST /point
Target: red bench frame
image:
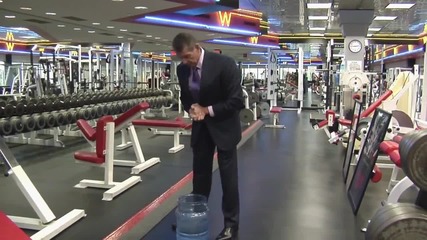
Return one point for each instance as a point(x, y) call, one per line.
point(104, 157)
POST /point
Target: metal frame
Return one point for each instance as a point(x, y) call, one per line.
point(399, 189)
point(47, 225)
point(114, 188)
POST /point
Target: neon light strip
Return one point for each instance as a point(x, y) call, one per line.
point(243, 43)
point(207, 27)
point(401, 54)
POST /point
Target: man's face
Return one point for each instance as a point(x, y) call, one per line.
point(190, 55)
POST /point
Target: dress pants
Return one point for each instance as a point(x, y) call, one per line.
point(203, 152)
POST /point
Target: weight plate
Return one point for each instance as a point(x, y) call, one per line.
point(413, 157)
point(253, 98)
point(265, 108)
point(246, 115)
point(402, 119)
point(362, 125)
point(398, 222)
point(264, 96)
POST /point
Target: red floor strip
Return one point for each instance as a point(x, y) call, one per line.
point(139, 216)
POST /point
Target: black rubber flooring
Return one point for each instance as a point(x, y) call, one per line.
point(54, 173)
point(291, 188)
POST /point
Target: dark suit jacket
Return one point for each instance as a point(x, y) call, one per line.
point(220, 88)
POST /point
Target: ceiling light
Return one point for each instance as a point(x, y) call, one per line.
point(118, 0)
point(369, 35)
point(317, 34)
point(123, 30)
point(77, 29)
point(51, 13)
point(119, 36)
point(9, 16)
point(130, 38)
point(374, 29)
point(385, 18)
point(1, 1)
point(157, 38)
point(317, 17)
point(139, 40)
point(319, 5)
point(157, 44)
point(91, 31)
point(29, 37)
point(61, 25)
point(110, 27)
point(317, 28)
point(140, 7)
point(149, 36)
point(400, 5)
point(95, 23)
point(26, 8)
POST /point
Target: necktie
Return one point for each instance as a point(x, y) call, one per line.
point(195, 83)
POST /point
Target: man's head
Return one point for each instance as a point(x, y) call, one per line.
point(187, 49)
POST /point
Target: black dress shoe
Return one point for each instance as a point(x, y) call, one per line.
point(228, 234)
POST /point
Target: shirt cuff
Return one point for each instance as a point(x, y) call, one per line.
point(211, 112)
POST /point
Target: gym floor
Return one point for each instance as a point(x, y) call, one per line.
point(290, 184)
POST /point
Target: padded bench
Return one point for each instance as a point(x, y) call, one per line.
point(104, 157)
point(176, 125)
point(275, 111)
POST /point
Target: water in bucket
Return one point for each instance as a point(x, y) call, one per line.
point(192, 221)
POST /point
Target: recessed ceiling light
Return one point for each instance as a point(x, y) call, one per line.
point(319, 5)
point(157, 44)
point(119, 36)
point(369, 35)
point(77, 29)
point(123, 30)
point(317, 28)
point(149, 36)
point(20, 29)
point(317, 34)
point(317, 17)
point(400, 5)
point(110, 27)
point(385, 18)
point(140, 7)
point(139, 40)
point(374, 29)
point(96, 23)
point(157, 38)
point(51, 13)
point(61, 25)
point(118, 0)
point(26, 8)
point(91, 31)
point(10, 16)
point(1, 1)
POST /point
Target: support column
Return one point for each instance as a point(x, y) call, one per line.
point(129, 80)
point(423, 115)
point(354, 25)
point(272, 78)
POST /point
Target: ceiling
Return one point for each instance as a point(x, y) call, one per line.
point(98, 21)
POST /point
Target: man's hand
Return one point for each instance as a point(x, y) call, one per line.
point(198, 113)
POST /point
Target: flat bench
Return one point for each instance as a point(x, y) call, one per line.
point(275, 111)
point(176, 125)
point(104, 157)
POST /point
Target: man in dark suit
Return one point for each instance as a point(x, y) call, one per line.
point(211, 93)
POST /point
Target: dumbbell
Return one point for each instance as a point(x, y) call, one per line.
point(17, 126)
point(28, 122)
point(49, 119)
point(68, 117)
point(59, 118)
point(5, 127)
point(40, 121)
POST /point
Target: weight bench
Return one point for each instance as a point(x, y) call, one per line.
point(123, 123)
point(177, 126)
point(9, 230)
point(46, 224)
point(275, 111)
point(104, 157)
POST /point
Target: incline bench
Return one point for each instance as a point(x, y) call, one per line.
point(123, 123)
point(104, 157)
